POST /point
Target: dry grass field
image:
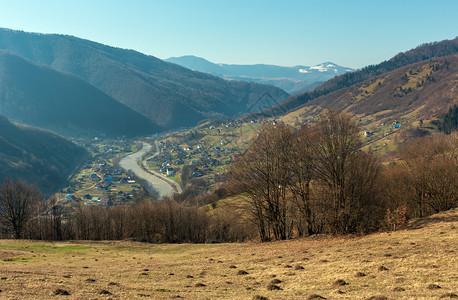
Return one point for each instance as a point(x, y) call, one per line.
point(418, 262)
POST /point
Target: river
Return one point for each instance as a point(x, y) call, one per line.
point(163, 185)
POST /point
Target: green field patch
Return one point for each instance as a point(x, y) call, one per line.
point(15, 259)
point(44, 247)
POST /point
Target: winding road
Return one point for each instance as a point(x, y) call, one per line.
point(163, 185)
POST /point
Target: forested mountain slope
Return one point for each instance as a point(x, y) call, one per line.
point(168, 94)
point(37, 156)
point(61, 102)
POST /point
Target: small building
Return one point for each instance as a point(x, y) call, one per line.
point(95, 199)
point(170, 172)
point(368, 134)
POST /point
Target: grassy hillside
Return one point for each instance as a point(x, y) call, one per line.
point(409, 97)
point(421, 53)
point(37, 156)
point(40, 96)
point(170, 95)
point(418, 262)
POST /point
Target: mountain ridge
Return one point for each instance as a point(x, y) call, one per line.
point(410, 97)
point(420, 53)
point(170, 95)
point(40, 96)
point(292, 79)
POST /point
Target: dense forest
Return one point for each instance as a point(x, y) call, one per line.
point(40, 96)
point(37, 155)
point(449, 121)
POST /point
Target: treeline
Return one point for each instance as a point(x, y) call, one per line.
point(316, 180)
point(23, 214)
point(449, 121)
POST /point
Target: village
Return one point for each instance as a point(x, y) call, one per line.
point(187, 156)
point(202, 154)
point(100, 181)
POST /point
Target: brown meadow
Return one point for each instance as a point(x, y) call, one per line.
point(418, 262)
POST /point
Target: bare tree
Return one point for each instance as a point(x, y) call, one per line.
point(339, 142)
point(264, 173)
point(303, 174)
point(18, 204)
point(431, 164)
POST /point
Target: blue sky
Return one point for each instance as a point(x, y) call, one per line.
point(289, 32)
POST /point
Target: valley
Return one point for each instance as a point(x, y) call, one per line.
point(229, 150)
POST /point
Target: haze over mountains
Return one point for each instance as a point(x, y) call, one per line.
point(293, 80)
point(61, 102)
point(168, 94)
point(41, 157)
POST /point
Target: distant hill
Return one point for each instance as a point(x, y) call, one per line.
point(291, 79)
point(409, 97)
point(168, 94)
point(421, 53)
point(37, 156)
point(43, 97)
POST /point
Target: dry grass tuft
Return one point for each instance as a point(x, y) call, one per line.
point(339, 282)
point(315, 297)
point(61, 292)
point(242, 272)
point(449, 296)
point(433, 286)
point(360, 274)
point(275, 281)
point(273, 287)
point(383, 268)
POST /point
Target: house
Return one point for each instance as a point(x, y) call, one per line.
point(95, 199)
point(397, 126)
point(368, 133)
point(170, 172)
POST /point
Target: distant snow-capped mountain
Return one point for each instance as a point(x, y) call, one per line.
point(291, 79)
